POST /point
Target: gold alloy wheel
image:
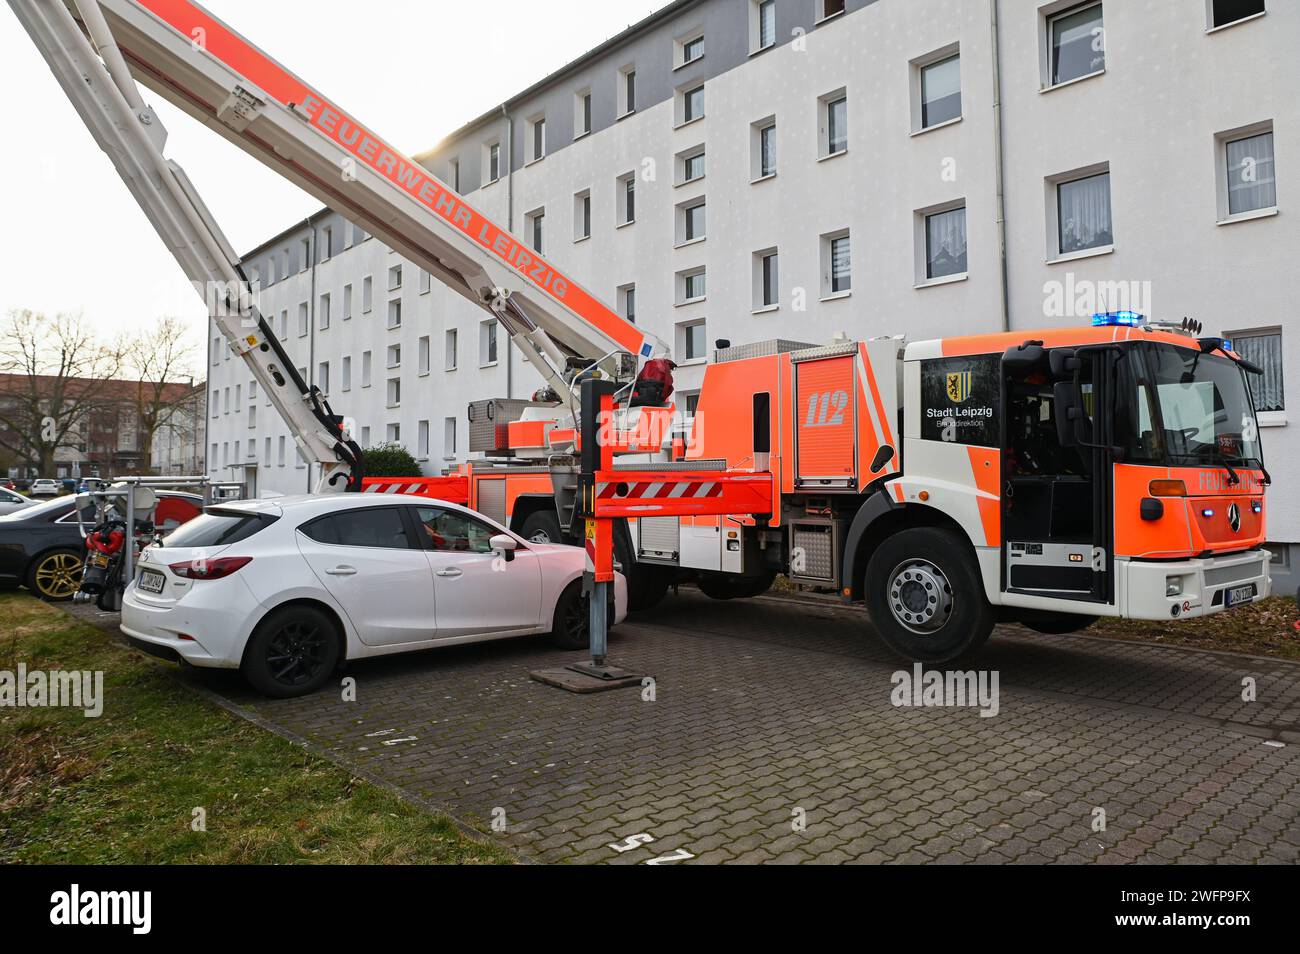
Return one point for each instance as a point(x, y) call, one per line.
point(58, 576)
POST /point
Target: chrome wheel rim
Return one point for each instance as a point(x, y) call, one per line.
point(920, 596)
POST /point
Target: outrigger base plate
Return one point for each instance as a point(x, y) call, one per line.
point(587, 677)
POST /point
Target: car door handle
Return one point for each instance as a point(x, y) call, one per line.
point(448, 571)
point(342, 571)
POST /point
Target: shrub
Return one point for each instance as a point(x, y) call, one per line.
point(389, 460)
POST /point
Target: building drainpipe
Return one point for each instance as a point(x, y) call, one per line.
point(998, 170)
point(311, 325)
point(510, 225)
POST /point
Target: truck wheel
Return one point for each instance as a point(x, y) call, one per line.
point(735, 587)
point(925, 596)
point(542, 526)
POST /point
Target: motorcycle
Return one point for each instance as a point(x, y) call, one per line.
point(107, 540)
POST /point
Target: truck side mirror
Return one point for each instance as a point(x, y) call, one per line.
point(1065, 407)
point(1063, 362)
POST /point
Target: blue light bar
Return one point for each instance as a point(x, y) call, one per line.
point(1128, 319)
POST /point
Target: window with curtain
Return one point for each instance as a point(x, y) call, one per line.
point(1251, 183)
point(841, 277)
point(766, 24)
point(945, 243)
point(1078, 43)
point(767, 150)
point(1083, 213)
point(1264, 350)
point(940, 92)
point(837, 126)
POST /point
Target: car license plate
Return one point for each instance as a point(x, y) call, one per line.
point(151, 581)
point(1239, 594)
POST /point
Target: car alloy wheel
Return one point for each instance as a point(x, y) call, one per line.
point(296, 652)
point(58, 576)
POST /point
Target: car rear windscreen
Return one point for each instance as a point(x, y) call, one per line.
point(217, 528)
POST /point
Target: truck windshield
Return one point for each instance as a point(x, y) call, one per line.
point(1185, 408)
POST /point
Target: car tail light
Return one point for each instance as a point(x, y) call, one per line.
point(1168, 488)
point(209, 569)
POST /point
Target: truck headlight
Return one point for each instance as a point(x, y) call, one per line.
point(1173, 586)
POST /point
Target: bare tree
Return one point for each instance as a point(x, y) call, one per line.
point(53, 376)
point(162, 359)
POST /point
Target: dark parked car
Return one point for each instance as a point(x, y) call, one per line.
point(41, 548)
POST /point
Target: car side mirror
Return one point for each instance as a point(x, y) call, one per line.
point(504, 544)
point(1065, 407)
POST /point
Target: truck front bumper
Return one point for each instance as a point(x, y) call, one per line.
point(1144, 588)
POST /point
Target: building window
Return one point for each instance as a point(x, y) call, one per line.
point(453, 174)
point(252, 422)
point(627, 198)
point(829, 8)
point(690, 164)
point(216, 351)
point(304, 322)
point(487, 343)
point(304, 254)
point(762, 24)
point(215, 402)
point(837, 274)
point(762, 149)
point(347, 302)
point(395, 278)
point(449, 350)
point(1078, 43)
point(367, 294)
point(394, 355)
point(393, 433)
point(422, 439)
point(627, 90)
point(1083, 214)
point(426, 282)
point(423, 355)
point(690, 286)
point(690, 221)
point(323, 376)
point(834, 124)
point(535, 221)
point(945, 243)
point(1251, 182)
point(582, 113)
point(394, 392)
point(395, 313)
point(323, 318)
point(365, 369)
point(694, 344)
point(345, 373)
point(326, 243)
point(582, 215)
point(279, 453)
point(767, 291)
point(449, 438)
point(494, 161)
point(940, 92)
point(692, 104)
point(627, 301)
point(365, 437)
point(537, 138)
point(692, 50)
point(284, 325)
point(1223, 12)
point(1264, 350)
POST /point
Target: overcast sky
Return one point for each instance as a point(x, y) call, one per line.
point(74, 239)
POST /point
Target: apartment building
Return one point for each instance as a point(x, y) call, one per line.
point(752, 169)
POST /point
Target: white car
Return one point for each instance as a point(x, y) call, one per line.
point(11, 500)
point(45, 487)
point(286, 589)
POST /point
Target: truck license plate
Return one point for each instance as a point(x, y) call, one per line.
point(151, 581)
point(1239, 594)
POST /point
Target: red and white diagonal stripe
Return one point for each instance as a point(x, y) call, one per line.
point(660, 489)
point(396, 487)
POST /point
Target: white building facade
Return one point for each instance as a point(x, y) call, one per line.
point(753, 169)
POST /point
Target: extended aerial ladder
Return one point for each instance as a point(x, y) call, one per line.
point(100, 49)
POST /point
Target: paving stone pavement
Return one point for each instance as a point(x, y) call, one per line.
point(772, 738)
